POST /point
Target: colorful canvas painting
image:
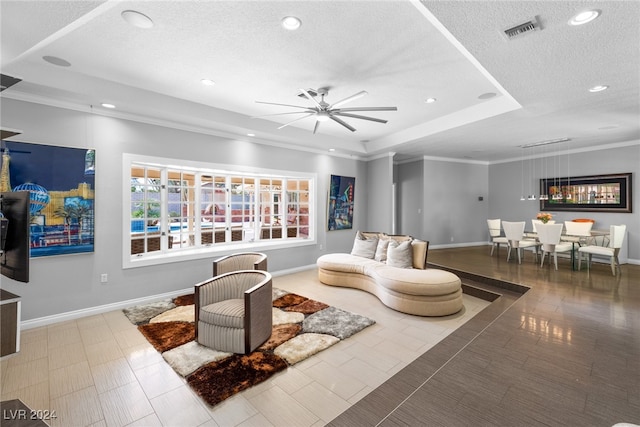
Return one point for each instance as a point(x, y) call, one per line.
point(341, 198)
point(61, 185)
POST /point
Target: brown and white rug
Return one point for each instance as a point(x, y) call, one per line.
point(302, 327)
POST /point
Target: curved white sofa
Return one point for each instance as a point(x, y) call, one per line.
point(419, 290)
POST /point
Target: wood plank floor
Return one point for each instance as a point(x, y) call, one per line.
point(557, 348)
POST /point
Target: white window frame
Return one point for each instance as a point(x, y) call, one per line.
point(164, 255)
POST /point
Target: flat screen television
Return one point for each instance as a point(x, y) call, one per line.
point(14, 261)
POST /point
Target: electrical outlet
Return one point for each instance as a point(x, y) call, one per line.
point(320, 246)
point(104, 278)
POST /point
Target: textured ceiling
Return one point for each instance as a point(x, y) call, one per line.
point(400, 52)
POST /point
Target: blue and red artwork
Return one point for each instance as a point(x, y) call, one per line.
point(341, 199)
point(61, 186)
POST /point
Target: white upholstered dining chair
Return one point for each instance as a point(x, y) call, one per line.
point(536, 222)
point(549, 238)
point(616, 237)
point(577, 232)
point(514, 231)
point(495, 233)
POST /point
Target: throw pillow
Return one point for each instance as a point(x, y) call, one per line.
point(381, 250)
point(364, 248)
point(400, 254)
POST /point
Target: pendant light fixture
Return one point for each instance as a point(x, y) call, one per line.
point(543, 173)
point(532, 164)
point(557, 189)
point(569, 191)
point(522, 176)
point(557, 194)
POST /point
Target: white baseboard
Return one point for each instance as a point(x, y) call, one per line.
point(91, 311)
point(293, 270)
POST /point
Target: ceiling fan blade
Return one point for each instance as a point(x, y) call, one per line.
point(315, 128)
point(349, 99)
point(282, 114)
point(339, 110)
point(343, 123)
point(311, 98)
point(283, 105)
point(357, 116)
point(296, 120)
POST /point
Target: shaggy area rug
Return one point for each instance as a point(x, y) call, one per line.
point(302, 327)
point(143, 313)
point(164, 336)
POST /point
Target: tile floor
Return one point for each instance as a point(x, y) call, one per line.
point(566, 353)
point(100, 371)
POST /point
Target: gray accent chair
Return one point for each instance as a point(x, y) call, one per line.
point(240, 261)
point(234, 311)
point(227, 264)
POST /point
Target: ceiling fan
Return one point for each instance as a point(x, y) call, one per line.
point(324, 111)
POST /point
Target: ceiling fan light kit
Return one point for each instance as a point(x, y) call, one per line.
point(323, 111)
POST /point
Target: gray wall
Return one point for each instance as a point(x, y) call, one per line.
point(505, 185)
point(62, 284)
point(379, 186)
point(410, 196)
point(438, 201)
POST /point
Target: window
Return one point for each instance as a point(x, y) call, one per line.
point(176, 213)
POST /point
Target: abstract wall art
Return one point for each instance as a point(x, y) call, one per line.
point(341, 201)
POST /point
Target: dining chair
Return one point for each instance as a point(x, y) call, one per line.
point(616, 237)
point(549, 238)
point(535, 222)
point(496, 234)
point(514, 231)
point(577, 232)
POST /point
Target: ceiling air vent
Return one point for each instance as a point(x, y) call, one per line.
point(522, 29)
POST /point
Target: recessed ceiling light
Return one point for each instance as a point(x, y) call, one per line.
point(137, 19)
point(332, 149)
point(291, 23)
point(251, 134)
point(430, 100)
point(598, 88)
point(207, 82)
point(56, 61)
point(584, 17)
point(106, 105)
point(487, 95)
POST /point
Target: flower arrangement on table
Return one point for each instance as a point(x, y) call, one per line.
point(544, 217)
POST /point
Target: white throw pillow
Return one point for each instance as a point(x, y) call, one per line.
point(400, 254)
point(381, 250)
point(365, 248)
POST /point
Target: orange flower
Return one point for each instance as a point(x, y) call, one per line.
point(544, 217)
